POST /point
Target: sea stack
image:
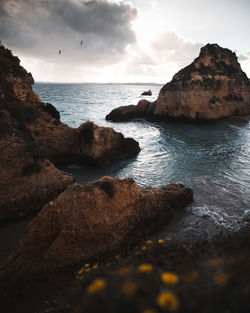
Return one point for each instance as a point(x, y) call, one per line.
point(213, 86)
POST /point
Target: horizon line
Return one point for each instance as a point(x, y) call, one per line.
point(102, 83)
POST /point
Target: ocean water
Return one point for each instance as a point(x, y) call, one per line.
point(212, 159)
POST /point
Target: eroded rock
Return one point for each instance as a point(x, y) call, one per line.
point(213, 86)
point(32, 136)
point(86, 222)
point(42, 121)
point(126, 113)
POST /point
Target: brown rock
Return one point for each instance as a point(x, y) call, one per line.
point(210, 88)
point(27, 180)
point(31, 134)
point(234, 120)
point(88, 143)
point(88, 221)
point(41, 121)
point(126, 113)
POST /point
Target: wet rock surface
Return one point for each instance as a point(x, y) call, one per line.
point(213, 86)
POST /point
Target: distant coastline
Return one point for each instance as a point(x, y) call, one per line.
point(95, 83)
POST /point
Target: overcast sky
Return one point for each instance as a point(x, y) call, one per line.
point(122, 41)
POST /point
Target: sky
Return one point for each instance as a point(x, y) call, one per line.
point(122, 41)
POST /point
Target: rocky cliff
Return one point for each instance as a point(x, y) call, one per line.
point(213, 86)
point(32, 138)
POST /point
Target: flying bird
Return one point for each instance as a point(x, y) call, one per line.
point(81, 42)
point(59, 52)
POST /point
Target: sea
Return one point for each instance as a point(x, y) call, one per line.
point(211, 158)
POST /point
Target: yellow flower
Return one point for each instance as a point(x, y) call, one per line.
point(160, 241)
point(124, 271)
point(96, 285)
point(216, 262)
point(86, 265)
point(220, 279)
point(87, 269)
point(168, 238)
point(169, 278)
point(168, 300)
point(149, 242)
point(129, 288)
point(95, 266)
point(145, 267)
point(144, 248)
point(81, 271)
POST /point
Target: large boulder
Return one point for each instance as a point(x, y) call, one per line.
point(32, 136)
point(213, 86)
point(86, 222)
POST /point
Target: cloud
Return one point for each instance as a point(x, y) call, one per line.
point(171, 47)
point(41, 28)
point(245, 62)
point(163, 56)
point(244, 57)
point(37, 29)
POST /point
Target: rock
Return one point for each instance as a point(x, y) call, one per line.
point(234, 120)
point(32, 136)
point(126, 113)
point(63, 144)
point(27, 180)
point(147, 93)
point(212, 87)
point(87, 222)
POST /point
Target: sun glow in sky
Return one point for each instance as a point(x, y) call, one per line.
point(123, 41)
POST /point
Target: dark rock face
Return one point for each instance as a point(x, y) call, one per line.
point(32, 136)
point(147, 93)
point(52, 111)
point(87, 221)
point(212, 87)
point(27, 180)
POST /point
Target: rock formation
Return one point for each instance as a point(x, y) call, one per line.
point(213, 86)
point(126, 113)
point(85, 222)
point(147, 93)
point(32, 136)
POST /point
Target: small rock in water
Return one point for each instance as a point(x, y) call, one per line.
point(147, 93)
